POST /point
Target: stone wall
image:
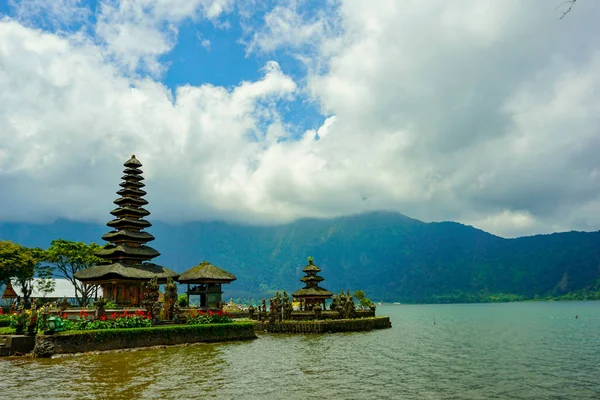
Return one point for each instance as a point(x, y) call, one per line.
point(113, 339)
point(326, 326)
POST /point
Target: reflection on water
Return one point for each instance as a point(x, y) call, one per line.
point(526, 350)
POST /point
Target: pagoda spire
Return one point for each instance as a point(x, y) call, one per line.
point(127, 239)
point(312, 294)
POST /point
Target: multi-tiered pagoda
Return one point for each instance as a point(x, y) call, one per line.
point(127, 255)
point(312, 293)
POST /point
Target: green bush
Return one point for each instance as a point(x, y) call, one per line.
point(209, 317)
point(214, 330)
point(4, 320)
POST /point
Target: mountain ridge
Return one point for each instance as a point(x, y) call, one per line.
point(389, 255)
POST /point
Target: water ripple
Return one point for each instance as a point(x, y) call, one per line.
point(494, 351)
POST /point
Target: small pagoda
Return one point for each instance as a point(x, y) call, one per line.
point(205, 280)
point(311, 294)
point(127, 254)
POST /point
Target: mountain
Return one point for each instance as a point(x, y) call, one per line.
point(390, 256)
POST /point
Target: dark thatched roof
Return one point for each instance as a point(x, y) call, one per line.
point(120, 223)
point(132, 236)
point(139, 211)
point(310, 267)
point(312, 292)
point(123, 250)
point(205, 272)
point(133, 162)
point(131, 191)
point(143, 271)
point(133, 177)
point(130, 201)
point(130, 184)
point(312, 278)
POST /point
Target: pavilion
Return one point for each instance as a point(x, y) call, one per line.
point(206, 281)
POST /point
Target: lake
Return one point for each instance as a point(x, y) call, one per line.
point(474, 351)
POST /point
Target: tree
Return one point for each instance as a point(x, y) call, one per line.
point(363, 300)
point(20, 263)
point(46, 283)
point(68, 257)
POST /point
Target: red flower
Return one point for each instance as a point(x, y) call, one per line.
point(114, 315)
point(103, 318)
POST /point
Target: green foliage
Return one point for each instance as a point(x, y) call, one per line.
point(183, 300)
point(21, 264)
point(209, 317)
point(7, 331)
point(46, 282)
point(207, 332)
point(68, 257)
point(4, 320)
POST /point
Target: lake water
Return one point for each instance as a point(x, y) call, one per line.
point(483, 351)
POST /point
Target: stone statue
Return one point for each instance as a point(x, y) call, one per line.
point(349, 307)
point(33, 319)
point(287, 307)
point(251, 311)
point(100, 305)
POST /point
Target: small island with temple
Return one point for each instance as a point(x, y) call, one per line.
point(307, 311)
point(132, 311)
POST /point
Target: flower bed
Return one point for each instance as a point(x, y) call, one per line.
point(124, 320)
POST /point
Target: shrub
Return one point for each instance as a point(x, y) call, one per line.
point(200, 317)
point(4, 320)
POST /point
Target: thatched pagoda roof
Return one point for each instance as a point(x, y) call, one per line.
point(310, 267)
point(312, 292)
point(129, 222)
point(9, 292)
point(133, 162)
point(143, 271)
point(205, 272)
point(123, 250)
point(312, 278)
point(124, 234)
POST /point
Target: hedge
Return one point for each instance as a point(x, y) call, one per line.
point(113, 339)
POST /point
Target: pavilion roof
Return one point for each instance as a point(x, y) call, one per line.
point(117, 270)
point(312, 292)
point(205, 271)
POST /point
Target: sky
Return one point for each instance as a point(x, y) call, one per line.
point(484, 112)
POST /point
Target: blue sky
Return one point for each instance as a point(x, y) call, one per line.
point(478, 111)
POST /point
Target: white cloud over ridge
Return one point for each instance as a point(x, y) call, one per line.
point(484, 112)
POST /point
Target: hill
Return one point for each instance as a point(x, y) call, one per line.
point(390, 256)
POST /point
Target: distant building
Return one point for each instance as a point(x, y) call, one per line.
point(62, 289)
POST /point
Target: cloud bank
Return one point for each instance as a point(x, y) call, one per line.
point(482, 112)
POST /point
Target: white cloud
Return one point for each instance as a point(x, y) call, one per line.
point(484, 112)
point(137, 32)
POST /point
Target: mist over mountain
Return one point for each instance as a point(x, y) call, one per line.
point(390, 256)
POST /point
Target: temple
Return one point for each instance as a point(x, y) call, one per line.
point(311, 294)
point(205, 280)
point(127, 254)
